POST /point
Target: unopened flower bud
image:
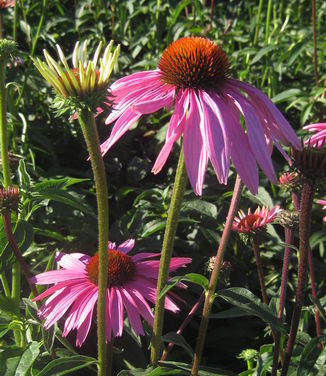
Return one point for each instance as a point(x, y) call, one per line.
point(288, 218)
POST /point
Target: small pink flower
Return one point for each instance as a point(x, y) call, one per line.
point(193, 75)
point(319, 130)
point(252, 222)
point(7, 4)
point(131, 284)
point(322, 202)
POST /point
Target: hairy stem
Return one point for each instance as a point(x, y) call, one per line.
point(167, 249)
point(88, 126)
point(215, 274)
point(306, 201)
point(284, 280)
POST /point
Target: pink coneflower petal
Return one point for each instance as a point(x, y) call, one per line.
point(116, 312)
point(218, 148)
point(208, 111)
point(131, 284)
point(252, 222)
point(69, 262)
point(320, 132)
point(132, 311)
point(195, 153)
point(126, 246)
point(56, 276)
point(120, 128)
point(175, 130)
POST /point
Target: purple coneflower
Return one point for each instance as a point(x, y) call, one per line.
point(193, 75)
point(252, 222)
point(320, 133)
point(131, 283)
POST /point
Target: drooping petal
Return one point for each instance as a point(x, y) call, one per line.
point(132, 311)
point(279, 119)
point(216, 138)
point(255, 134)
point(195, 152)
point(119, 129)
point(176, 127)
point(241, 155)
point(116, 312)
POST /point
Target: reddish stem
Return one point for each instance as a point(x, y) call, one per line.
point(286, 259)
point(187, 320)
point(307, 196)
point(9, 234)
point(255, 248)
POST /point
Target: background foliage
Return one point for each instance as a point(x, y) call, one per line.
point(270, 47)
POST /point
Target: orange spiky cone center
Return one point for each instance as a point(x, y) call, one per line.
point(194, 63)
point(121, 268)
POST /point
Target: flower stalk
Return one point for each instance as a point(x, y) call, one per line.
point(167, 249)
point(255, 248)
point(209, 299)
point(88, 126)
point(307, 195)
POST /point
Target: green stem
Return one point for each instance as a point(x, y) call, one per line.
point(37, 36)
point(5, 285)
point(268, 21)
point(14, 31)
point(167, 249)
point(258, 19)
point(3, 127)
point(88, 126)
point(209, 299)
point(15, 294)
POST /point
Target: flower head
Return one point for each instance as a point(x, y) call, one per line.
point(85, 80)
point(322, 202)
point(290, 180)
point(194, 76)
point(319, 130)
point(9, 198)
point(252, 222)
point(7, 4)
point(131, 284)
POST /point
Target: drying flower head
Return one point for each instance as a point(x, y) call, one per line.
point(85, 84)
point(253, 222)
point(290, 181)
point(7, 4)
point(193, 75)
point(131, 285)
point(288, 218)
point(9, 198)
point(310, 162)
point(323, 203)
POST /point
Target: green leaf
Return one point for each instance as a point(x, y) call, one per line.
point(246, 300)
point(321, 309)
point(63, 197)
point(28, 358)
point(65, 366)
point(264, 51)
point(198, 279)
point(178, 339)
point(17, 361)
point(7, 305)
point(309, 356)
point(203, 207)
point(159, 371)
point(203, 371)
point(230, 313)
point(286, 95)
